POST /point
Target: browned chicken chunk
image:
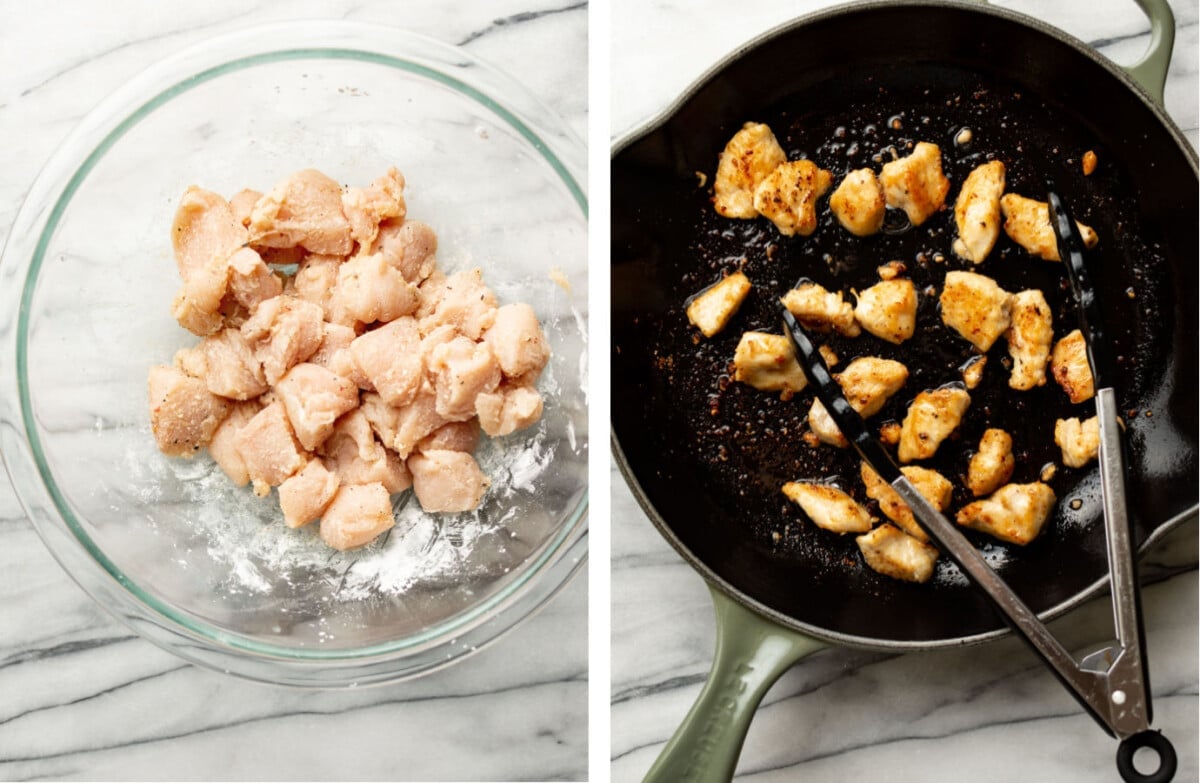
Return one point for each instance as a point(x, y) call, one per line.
point(892, 553)
point(867, 383)
point(915, 183)
point(1016, 513)
point(932, 485)
point(1027, 222)
point(888, 310)
point(828, 507)
point(859, 203)
point(976, 307)
point(710, 310)
point(788, 196)
point(1029, 339)
point(821, 310)
point(748, 158)
point(932, 416)
point(977, 212)
point(992, 464)
point(768, 363)
point(1070, 368)
point(1079, 440)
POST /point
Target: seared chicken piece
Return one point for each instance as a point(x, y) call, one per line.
point(916, 183)
point(463, 301)
point(269, 448)
point(931, 418)
point(889, 432)
point(409, 246)
point(390, 358)
point(749, 157)
point(1027, 222)
point(888, 310)
point(829, 507)
point(508, 409)
point(892, 553)
point(315, 398)
point(517, 341)
point(365, 208)
point(306, 495)
point(462, 370)
point(932, 485)
point(976, 307)
point(977, 212)
point(972, 371)
point(357, 515)
point(788, 196)
point(821, 310)
point(1079, 440)
point(1029, 339)
point(891, 270)
point(223, 447)
point(1069, 365)
point(447, 480)
point(1015, 513)
point(710, 310)
point(992, 464)
point(867, 383)
point(370, 290)
point(768, 363)
point(226, 363)
point(306, 210)
point(859, 203)
point(454, 436)
point(184, 414)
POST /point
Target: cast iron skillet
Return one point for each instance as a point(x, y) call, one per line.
point(705, 457)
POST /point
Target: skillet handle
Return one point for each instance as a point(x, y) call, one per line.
point(1151, 71)
point(752, 653)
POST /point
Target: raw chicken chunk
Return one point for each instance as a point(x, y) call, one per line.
point(357, 515)
point(1027, 222)
point(306, 210)
point(243, 203)
point(1079, 440)
point(227, 365)
point(710, 310)
point(430, 292)
point(508, 409)
point(517, 341)
point(768, 363)
point(383, 418)
point(205, 230)
point(465, 303)
point(1070, 368)
point(821, 310)
point(315, 398)
point(748, 158)
point(370, 290)
point(462, 370)
point(335, 340)
point(932, 485)
point(1029, 339)
point(1015, 513)
point(992, 464)
point(916, 183)
point(977, 212)
point(453, 436)
point(829, 507)
point(417, 420)
point(283, 331)
point(931, 417)
point(410, 247)
point(184, 414)
point(223, 447)
point(972, 371)
point(194, 317)
point(892, 553)
point(788, 196)
point(365, 208)
point(859, 203)
point(305, 496)
point(390, 358)
point(976, 307)
point(447, 480)
point(269, 448)
point(867, 383)
point(386, 469)
point(315, 279)
point(888, 310)
point(352, 436)
point(251, 281)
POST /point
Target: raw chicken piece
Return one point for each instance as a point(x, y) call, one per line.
point(508, 409)
point(1015, 513)
point(517, 341)
point(892, 553)
point(227, 365)
point(243, 203)
point(1079, 440)
point(888, 310)
point(386, 469)
point(932, 485)
point(193, 317)
point(198, 302)
point(859, 203)
point(409, 246)
point(976, 307)
point(369, 290)
point(1027, 222)
point(204, 231)
point(366, 207)
point(972, 371)
point(429, 295)
point(932, 416)
point(1069, 365)
point(916, 183)
point(315, 398)
point(465, 303)
point(977, 212)
point(335, 339)
point(357, 515)
point(829, 507)
point(748, 158)
point(304, 496)
point(710, 310)
point(447, 480)
point(992, 465)
point(1029, 339)
point(454, 436)
point(788, 196)
point(352, 437)
point(462, 370)
point(223, 447)
point(269, 448)
point(184, 414)
point(284, 331)
point(390, 358)
point(417, 420)
point(867, 383)
point(821, 310)
point(251, 281)
point(383, 418)
point(768, 363)
point(432, 339)
point(306, 210)
point(315, 279)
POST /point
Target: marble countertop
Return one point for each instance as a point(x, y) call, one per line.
point(989, 713)
point(81, 697)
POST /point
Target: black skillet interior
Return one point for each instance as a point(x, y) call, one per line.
point(710, 455)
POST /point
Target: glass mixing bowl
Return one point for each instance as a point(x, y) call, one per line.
point(169, 546)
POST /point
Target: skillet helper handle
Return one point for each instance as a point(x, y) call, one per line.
point(1151, 71)
point(752, 653)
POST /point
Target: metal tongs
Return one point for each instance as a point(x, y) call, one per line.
point(1112, 683)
